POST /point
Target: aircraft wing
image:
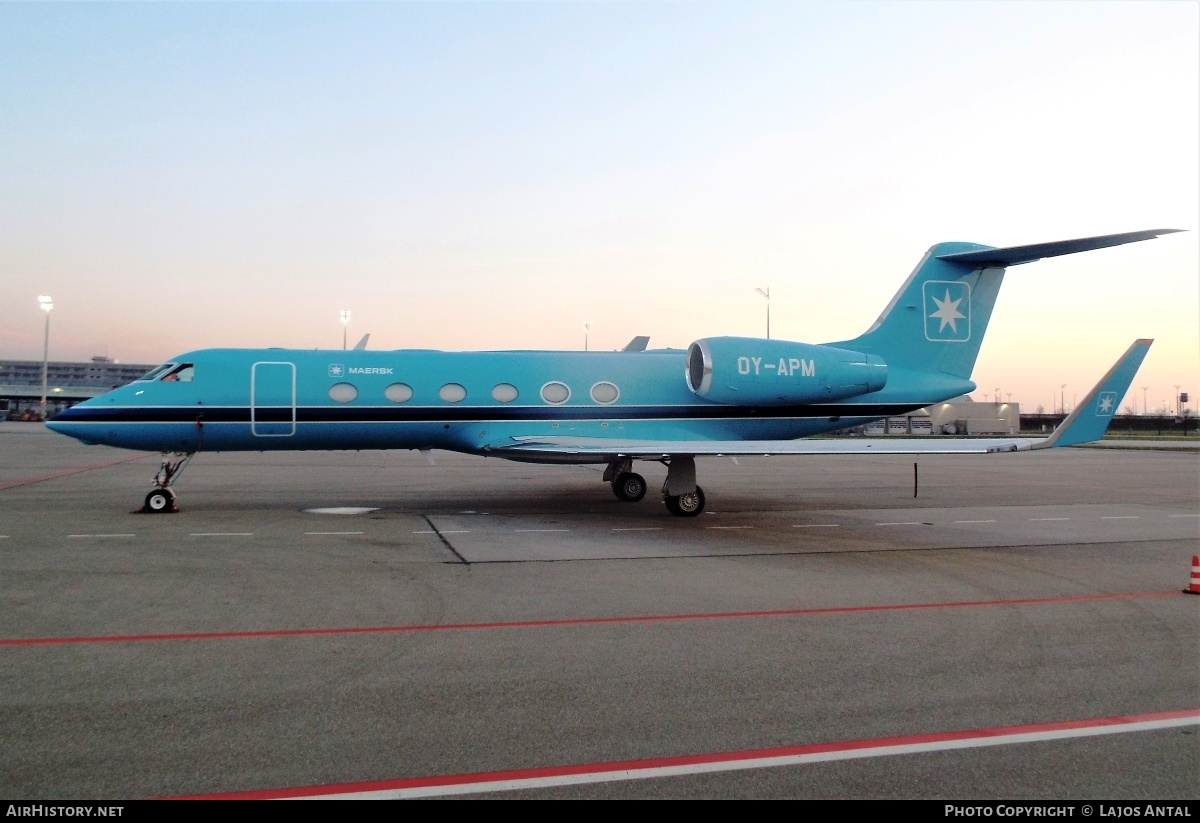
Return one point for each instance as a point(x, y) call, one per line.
point(1087, 422)
point(656, 449)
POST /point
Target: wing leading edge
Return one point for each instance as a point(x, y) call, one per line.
point(1087, 422)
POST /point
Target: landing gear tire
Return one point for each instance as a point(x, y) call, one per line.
point(160, 501)
point(629, 487)
point(686, 505)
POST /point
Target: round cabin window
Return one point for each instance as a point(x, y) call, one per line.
point(342, 392)
point(605, 393)
point(398, 393)
point(556, 393)
point(452, 392)
point(504, 392)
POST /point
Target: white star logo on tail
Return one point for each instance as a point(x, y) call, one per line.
point(1106, 404)
point(947, 310)
point(948, 313)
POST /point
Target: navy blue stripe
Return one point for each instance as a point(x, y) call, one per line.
point(350, 414)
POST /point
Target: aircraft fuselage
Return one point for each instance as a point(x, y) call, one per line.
point(274, 399)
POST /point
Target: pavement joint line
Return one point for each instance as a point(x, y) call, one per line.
point(729, 527)
point(817, 526)
point(571, 622)
point(329, 533)
point(1037, 519)
point(101, 535)
point(640, 529)
point(1183, 515)
point(974, 521)
point(1119, 517)
point(575, 774)
point(221, 534)
point(521, 531)
point(900, 523)
point(449, 546)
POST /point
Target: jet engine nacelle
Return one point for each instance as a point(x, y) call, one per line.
point(757, 372)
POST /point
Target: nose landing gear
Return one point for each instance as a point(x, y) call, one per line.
point(162, 499)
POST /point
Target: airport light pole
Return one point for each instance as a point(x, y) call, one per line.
point(46, 304)
point(1177, 412)
point(766, 293)
point(345, 323)
point(587, 327)
point(1062, 398)
point(1144, 412)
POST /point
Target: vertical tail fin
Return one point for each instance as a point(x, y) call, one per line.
point(937, 320)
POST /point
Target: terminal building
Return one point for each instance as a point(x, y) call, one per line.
point(958, 416)
point(66, 384)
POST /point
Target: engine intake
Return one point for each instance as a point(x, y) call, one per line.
point(752, 371)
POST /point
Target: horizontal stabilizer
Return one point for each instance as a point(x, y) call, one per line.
point(1015, 255)
point(1089, 420)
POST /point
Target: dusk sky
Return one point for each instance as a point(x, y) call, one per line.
point(493, 175)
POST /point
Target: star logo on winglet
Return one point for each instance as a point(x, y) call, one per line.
point(1106, 404)
point(948, 313)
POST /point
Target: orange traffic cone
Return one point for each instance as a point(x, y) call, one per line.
point(1194, 586)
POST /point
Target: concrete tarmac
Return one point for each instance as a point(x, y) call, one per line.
point(479, 616)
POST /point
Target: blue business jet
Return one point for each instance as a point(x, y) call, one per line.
point(722, 396)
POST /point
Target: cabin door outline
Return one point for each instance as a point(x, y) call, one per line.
point(273, 398)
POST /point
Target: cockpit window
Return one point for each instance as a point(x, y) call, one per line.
point(182, 374)
point(157, 372)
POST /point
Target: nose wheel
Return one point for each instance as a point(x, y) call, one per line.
point(160, 501)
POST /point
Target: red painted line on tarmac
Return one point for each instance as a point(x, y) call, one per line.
point(28, 480)
point(620, 769)
point(580, 621)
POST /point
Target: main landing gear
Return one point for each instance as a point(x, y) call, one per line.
point(162, 499)
point(680, 494)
